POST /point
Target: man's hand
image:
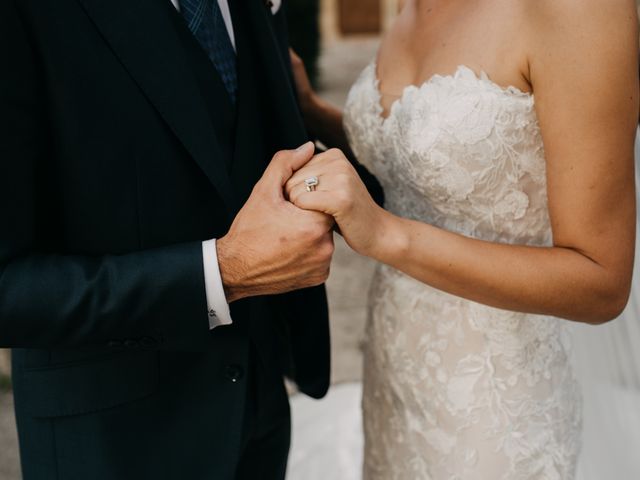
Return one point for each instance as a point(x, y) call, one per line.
point(273, 246)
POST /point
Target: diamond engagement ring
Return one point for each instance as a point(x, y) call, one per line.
point(311, 183)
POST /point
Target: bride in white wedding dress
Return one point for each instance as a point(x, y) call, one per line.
point(454, 388)
point(328, 435)
point(509, 209)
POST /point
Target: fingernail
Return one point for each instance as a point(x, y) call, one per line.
point(303, 146)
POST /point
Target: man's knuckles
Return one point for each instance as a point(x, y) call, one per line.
point(326, 249)
point(293, 193)
point(312, 233)
point(281, 158)
point(282, 164)
point(318, 278)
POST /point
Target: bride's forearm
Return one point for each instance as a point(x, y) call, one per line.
point(324, 121)
point(545, 280)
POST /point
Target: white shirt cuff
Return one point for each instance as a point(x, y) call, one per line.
point(218, 308)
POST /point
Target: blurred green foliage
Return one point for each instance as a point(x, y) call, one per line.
point(304, 33)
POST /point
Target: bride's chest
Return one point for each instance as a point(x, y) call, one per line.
point(461, 122)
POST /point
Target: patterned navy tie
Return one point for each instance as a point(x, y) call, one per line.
point(205, 21)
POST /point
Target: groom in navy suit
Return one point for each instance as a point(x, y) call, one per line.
point(133, 134)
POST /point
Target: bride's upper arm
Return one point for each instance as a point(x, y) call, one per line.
point(583, 63)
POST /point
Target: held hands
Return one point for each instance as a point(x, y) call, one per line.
point(274, 246)
point(277, 245)
point(341, 194)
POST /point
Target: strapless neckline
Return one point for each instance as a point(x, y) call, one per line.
point(461, 71)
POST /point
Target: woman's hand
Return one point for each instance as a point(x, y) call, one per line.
point(340, 193)
point(306, 95)
point(323, 120)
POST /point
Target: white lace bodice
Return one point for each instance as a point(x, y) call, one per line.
point(453, 389)
point(467, 152)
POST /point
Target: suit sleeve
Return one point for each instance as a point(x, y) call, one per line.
point(153, 298)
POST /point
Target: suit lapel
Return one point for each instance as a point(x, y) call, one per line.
point(155, 60)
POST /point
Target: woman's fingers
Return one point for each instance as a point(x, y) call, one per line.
point(319, 201)
point(332, 196)
point(333, 193)
point(315, 169)
point(327, 163)
point(298, 188)
point(296, 184)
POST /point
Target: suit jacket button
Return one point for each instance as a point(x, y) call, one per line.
point(234, 372)
point(114, 344)
point(131, 343)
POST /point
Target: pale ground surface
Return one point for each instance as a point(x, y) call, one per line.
point(341, 63)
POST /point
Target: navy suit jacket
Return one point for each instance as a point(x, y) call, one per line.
point(120, 152)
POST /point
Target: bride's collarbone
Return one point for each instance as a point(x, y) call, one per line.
point(394, 79)
point(418, 48)
point(398, 69)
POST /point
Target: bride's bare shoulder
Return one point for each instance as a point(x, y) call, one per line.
point(585, 17)
point(580, 30)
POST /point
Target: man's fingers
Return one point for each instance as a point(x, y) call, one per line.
point(317, 201)
point(286, 162)
point(311, 216)
point(327, 220)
